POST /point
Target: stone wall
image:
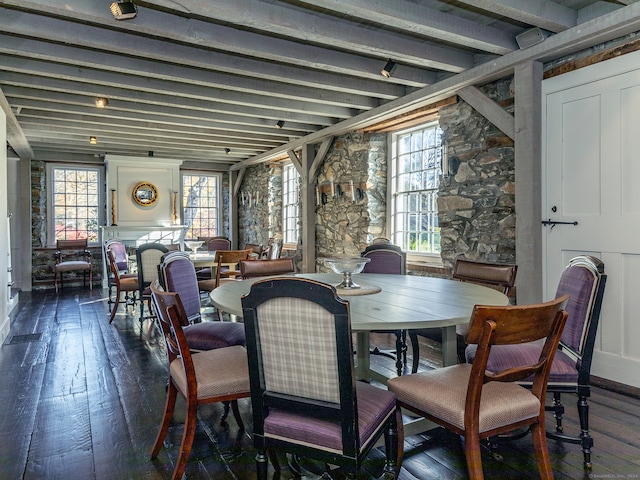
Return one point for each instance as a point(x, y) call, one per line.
point(476, 207)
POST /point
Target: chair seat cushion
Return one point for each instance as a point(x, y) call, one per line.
point(442, 393)
point(129, 284)
point(220, 372)
point(211, 335)
point(563, 368)
point(374, 406)
point(72, 265)
point(207, 285)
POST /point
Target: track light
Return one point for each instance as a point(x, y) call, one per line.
point(101, 102)
point(388, 68)
point(123, 10)
point(280, 124)
point(93, 140)
point(227, 151)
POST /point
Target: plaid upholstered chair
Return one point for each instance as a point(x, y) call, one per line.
point(474, 403)
point(148, 257)
point(584, 281)
point(218, 375)
point(389, 259)
point(501, 276)
point(304, 395)
point(177, 274)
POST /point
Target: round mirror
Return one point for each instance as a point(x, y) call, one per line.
point(145, 194)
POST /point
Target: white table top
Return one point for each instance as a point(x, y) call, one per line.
point(404, 302)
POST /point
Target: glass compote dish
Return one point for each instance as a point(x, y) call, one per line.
point(194, 245)
point(347, 266)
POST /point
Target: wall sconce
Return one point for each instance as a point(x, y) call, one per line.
point(280, 124)
point(123, 10)
point(388, 69)
point(101, 102)
point(93, 140)
point(450, 169)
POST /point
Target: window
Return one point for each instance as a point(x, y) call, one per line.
point(416, 169)
point(201, 205)
point(76, 203)
point(290, 208)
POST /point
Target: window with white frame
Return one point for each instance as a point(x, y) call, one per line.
point(417, 156)
point(76, 203)
point(201, 204)
point(290, 207)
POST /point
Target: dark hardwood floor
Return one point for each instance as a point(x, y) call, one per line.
point(82, 399)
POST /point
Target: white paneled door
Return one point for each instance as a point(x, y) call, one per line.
point(591, 175)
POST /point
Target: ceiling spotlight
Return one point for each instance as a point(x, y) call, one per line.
point(388, 68)
point(123, 10)
point(280, 124)
point(93, 140)
point(227, 151)
point(101, 102)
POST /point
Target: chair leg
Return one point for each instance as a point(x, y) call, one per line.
point(540, 449)
point(236, 414)
point(558, 410)
point(169, 406)
point(116, 303)
point(586, 441)
point(473, 455)
point(399, 348)
point(188, 435)
point(261, 465)
point(415, 351)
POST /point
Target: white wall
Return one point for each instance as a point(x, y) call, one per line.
point(4, 236)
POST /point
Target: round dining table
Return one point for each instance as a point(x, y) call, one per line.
point(402, 302)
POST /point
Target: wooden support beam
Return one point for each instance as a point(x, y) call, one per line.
point(489, 109)
point(319, 158)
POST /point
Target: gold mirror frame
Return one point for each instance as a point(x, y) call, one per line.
point(145, 194)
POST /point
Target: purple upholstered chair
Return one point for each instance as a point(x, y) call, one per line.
point(391, 260)
point(584, 280)
point(303, 390)
point(178, 275)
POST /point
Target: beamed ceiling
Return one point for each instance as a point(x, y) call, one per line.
point(190, 79)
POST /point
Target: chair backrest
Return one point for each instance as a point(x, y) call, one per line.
point(113, 266)
point(583, 280)
point(255, 248)
point(512, 325)
point(72, 250)
point(275, 249)
point(499, 276)
point(263, 268)
point(385, 258)
point(322, 383)
point(178, 274)
point(119, 252)
point(172, 318)
point(148, 257)
point(213, 244)
point(228, 257)
point(77, 244)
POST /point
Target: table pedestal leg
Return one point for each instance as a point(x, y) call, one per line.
point(449, 346)
point(362, 356)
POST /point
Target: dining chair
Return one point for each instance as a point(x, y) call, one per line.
point(148, 258)
point(127, 283)
point(178, 275)
point(583, 279)
point(206, 275)
point(274, 249)
point(256, 249)
point(500, 276)
point(212, 376)
point(227, 264)
point(474, 403)
point(304, 395)
point(263, 268)
point(389, 259)
point(72, 256)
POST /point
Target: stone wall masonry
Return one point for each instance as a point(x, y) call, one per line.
point(476, 207)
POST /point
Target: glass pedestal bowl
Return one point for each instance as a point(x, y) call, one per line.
point(347, 266)
point(194, 245)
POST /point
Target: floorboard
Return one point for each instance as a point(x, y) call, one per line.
point(85, 401)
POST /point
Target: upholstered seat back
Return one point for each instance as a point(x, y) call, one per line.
point(179, 275)
point(501, 276)
point(385, 258)
point(263, 268)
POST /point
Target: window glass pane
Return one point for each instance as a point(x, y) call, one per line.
point(200, 205)
point(75, 211)
point(290, 198)
point(416, 170)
